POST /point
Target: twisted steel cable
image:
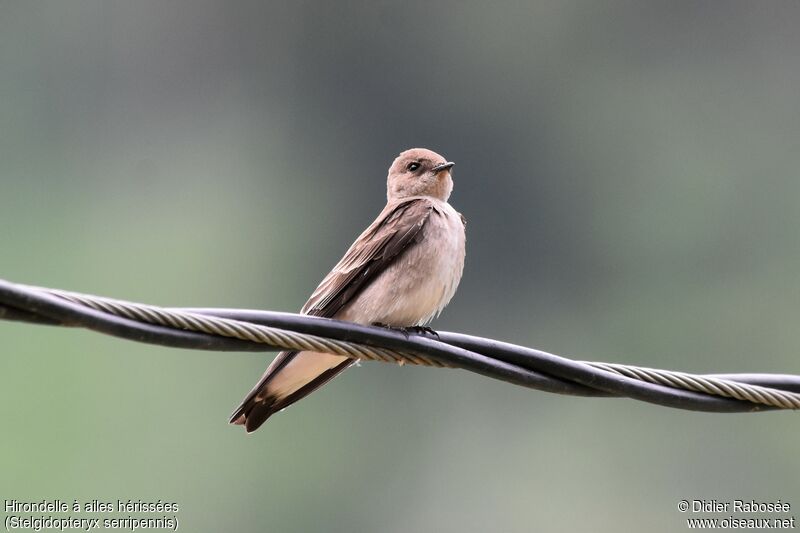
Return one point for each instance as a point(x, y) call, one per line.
point(247, 330)
point(239, 330)
point(711, 385)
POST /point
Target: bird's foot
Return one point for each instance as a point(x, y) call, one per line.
point(424, 331)
point(404, 331)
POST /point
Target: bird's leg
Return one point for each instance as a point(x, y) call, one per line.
point(404, 331)
point(423, 331)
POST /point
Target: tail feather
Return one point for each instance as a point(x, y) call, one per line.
point(261, 403)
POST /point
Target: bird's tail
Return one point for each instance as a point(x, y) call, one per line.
point(291, 377)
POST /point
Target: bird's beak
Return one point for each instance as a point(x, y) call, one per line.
point(443, 166)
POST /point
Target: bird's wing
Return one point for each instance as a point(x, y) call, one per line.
point(397, 228)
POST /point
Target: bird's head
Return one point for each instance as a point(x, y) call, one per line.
point(419, 172)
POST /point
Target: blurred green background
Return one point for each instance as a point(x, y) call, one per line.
point(629, 171)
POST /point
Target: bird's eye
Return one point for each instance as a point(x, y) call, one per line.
point(413, 166)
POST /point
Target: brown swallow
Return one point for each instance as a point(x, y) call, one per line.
point(401, 272)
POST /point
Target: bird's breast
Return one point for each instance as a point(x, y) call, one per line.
point(418, 285)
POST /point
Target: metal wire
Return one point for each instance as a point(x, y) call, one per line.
point(248, 330)
point(720, 387)
point(239, 330)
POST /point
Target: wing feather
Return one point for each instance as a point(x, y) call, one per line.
point(397, 227)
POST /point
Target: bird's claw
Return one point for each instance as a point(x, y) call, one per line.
point(408, 330)
point(424, 331)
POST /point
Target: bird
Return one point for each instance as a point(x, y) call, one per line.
point(400, 272)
